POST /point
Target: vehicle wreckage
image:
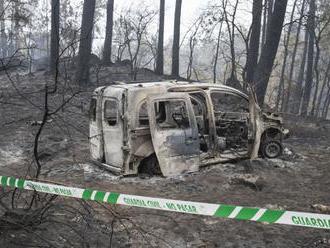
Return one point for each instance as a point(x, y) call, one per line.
point(176, 127)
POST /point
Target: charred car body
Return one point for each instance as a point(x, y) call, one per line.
point(176, 127)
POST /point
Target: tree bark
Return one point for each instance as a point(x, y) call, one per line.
point(47, 31)
point(264, 22)
point(232, 80)
point(216, 56)
point(253, 52)
point(3, 37)
point(176, 40)
point(192, 44)
point(269, 50)
point(326, 104)
point(317, 74)
point(270, 8)
point(293, 59)
point(11, 47)
point(55, 36)
point(281, 94)
point(85, 45)
point(326, 78)
point(310, 59)
point(16, 33)
point(160, 50)
point(108, 34)
point(299, 90)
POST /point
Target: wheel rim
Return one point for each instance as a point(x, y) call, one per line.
point(273, 149)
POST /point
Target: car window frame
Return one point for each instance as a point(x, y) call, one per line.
point(117, 112)
point(229, 93)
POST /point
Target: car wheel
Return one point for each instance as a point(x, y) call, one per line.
point(271, 149)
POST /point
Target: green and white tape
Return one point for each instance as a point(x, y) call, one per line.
point(216, 210)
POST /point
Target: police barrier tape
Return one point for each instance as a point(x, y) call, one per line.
point(216, 210)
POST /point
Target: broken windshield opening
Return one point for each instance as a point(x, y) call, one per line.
point(171, 114)
point(224, 102)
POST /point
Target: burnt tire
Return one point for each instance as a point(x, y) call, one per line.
point(271, 149)
point(150, 166)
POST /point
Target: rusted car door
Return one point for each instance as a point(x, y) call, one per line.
point(112, 123)
point(174, 133)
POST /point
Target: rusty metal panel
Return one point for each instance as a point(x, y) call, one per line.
point(176, 147)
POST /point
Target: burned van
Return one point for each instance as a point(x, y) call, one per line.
point(176, 127)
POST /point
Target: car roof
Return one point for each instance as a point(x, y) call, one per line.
point(173, 85)
point(205, 86)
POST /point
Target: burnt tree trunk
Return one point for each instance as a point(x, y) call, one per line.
point(317, 74)
point(47, 31)
point(216, 56)
point(232, 80)
point(325, 79)
point(160, 49)
point(253, 52)
point(108, 34)
point(54, 36)
point(310, 59)
point(293, 58)
point(267, 14)
point(299, 88)
point(264, 22)
point(176, 40)
point(85, 45)
point(281, 94)
point(270, 9)
point(326, 104)
point(3, 37)
point(13, 33)
point(269, 50)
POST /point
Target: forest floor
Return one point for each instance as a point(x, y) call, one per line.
point(296, 181)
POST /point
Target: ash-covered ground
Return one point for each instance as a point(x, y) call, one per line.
point(296, 181)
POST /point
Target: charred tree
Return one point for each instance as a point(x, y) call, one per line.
point(108, 34)
point(269, 50)
point(270, 9)
point(293, 58)
point(253, 52)
point(216, 56)
point(3, 37)
point(176, 40)
point(11, 31)
point(281, 93)
point(318, 43)
point(325, 79)
point(267, 13)
point(160, 50)
point(192, 43)
point(310, 59)
point(326, 104)
point(298, 93)
point(317, 74)
point(55, 36)
point(232, 80)
point(264, 22)
point(85, 45)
